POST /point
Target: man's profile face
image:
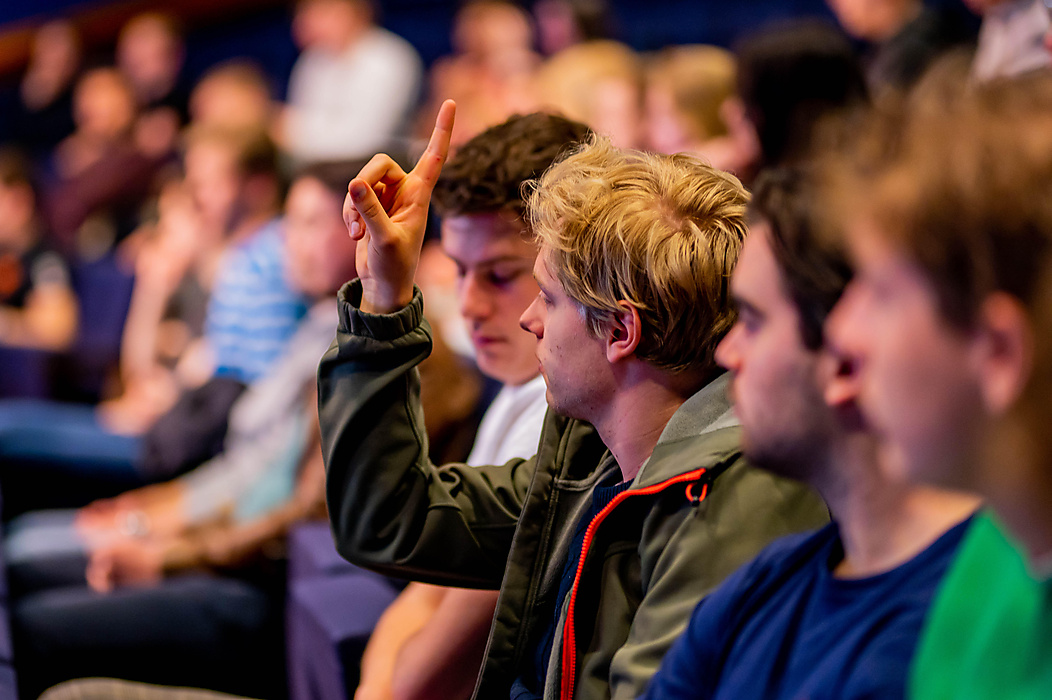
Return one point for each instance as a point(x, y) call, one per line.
point(776, 382)
point(919, 391)
point(494, 286)
point(573, 361)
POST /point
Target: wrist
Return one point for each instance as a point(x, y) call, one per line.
point(377, 300)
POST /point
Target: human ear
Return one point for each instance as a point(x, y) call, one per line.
point(1004, 351)
point(623, 333)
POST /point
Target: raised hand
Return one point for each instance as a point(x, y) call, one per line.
point(386, 213)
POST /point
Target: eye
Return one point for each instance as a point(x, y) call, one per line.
point(749, 320)
point(502, 278)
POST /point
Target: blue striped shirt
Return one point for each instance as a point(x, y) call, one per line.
point(252, 312)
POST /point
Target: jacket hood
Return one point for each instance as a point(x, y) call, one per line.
point(704, 430)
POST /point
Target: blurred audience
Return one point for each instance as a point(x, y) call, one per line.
point(348, 62)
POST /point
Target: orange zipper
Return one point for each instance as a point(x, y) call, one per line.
point(569, 650)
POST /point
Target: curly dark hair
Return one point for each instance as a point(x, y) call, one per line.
point(487, 173)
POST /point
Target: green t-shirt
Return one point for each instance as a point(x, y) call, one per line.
point(989, 631)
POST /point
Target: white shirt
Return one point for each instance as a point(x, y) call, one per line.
point(351, 105)
point(511, 426)
point(1011, 40)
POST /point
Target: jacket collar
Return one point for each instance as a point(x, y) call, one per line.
point(694, 435)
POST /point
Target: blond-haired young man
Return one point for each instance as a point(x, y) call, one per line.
point(638, 502)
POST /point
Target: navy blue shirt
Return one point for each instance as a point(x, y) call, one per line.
point(782, 627)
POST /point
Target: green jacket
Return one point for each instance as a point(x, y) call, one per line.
point(694, 513)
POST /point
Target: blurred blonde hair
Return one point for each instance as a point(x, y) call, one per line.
point(660, 232)
point(699, 78)
point(569, 80)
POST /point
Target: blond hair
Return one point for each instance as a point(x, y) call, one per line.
point(660, 232)
point(699, 78)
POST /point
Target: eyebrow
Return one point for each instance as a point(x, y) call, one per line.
point(492, 261)
point(741, 304)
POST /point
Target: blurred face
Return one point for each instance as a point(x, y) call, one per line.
point(213, 182)
point(854, 15)
point(320, 253)
point(616, 112)
point(776, 382)
point(919, 385)
point(494, 286)
point(573, 361)
point(327, 24)
point(666, 130)
point(103, 104)
point(150, 55)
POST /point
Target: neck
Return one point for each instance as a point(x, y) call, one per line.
point(638, 413)
point(1022, 500)
point(249, 223)
point(883, 523)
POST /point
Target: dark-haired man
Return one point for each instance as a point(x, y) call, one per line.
point(836, 613)
point(429, 642)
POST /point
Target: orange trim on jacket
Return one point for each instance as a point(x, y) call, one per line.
point(569, 649)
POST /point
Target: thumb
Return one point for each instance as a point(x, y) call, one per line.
point(369, 208)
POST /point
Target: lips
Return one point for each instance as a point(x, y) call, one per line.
point(485, 341)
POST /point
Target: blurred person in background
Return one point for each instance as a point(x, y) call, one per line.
point(37, 306)
point(686, 88)
point(103, 171)
point(347, 60)
point(233, 95)
point(903, 37)
point(796, 83)
point(490, 71)
point(1011, 38)
point(599, 83)
point(563, 23)
point(150, 53)
point(42, 114)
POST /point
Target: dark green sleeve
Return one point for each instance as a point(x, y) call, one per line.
point(391, 509)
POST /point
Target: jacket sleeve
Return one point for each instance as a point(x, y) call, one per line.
point(391, 509)
point(687, 557)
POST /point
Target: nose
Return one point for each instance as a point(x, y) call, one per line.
point(846, 327)
point(475, 303)
point(727, 355)
point(531, 318)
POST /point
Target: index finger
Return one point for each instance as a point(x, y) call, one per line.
point(429, 166)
